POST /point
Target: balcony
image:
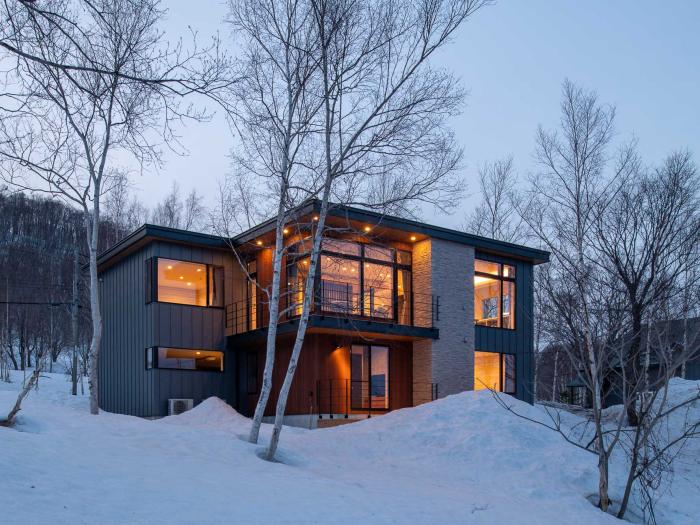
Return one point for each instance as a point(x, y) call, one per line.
point(336, 304)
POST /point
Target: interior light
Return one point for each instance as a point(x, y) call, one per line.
point(315, 217)
point(181, 277)
point(189, 284)
point(170, 267)
point(413, 237)
point(199, 269)
point(259, 243)
point(368, 229)
point(199, 353)
point(285, 231)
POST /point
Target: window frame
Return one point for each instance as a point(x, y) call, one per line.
point(501, 279)
point(501, 371)
point(394, 267)
point(152, 282)
point(152, 359)
point(369, 373)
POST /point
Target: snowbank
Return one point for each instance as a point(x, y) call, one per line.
point(462, 459)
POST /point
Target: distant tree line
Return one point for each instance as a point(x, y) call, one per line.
point(38, 240)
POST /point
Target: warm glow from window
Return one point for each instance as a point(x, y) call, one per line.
point(494, 294)
point(185, 359)
point(487, 370)
point(182, 282)
point(495, 371)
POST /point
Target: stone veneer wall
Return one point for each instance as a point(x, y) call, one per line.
point(422, 350)
point(446, 269)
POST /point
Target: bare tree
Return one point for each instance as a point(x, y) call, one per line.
point(382, 120)
point(274, 119)
point(9, 420)
point(496, 216)
point(574, 186)
point(77, 93)
point(647, 238)
point(185, 214)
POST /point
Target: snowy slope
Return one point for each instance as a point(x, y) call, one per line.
point(462, 459)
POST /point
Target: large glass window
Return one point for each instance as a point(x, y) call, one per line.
point(368, 280)
point(369, 377)
point(190, 283)
point(340, 285)
point(185, 359)
point(297, 271)
point(378, 291)
point(494, 371)
point(494, 294)
point(404, 295)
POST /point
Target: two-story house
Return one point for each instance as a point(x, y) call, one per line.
point(403, 313)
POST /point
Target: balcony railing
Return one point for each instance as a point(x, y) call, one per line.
point(342, 397)
point(337, 299)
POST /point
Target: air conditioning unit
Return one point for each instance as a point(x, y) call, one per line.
point(178, 406)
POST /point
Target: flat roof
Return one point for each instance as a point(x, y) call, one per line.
point(151, 232)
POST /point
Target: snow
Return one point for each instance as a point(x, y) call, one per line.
point(462, 459)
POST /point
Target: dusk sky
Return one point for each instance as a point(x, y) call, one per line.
point(641, 56)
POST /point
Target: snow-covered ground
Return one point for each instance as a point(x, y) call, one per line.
point(462, 459)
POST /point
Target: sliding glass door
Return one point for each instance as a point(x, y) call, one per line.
point(369, 377)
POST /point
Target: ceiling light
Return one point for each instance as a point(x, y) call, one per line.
point(413, 237)
point(368, 229)
point(181, 277)
point(285, 231)
point(170, 267)
point(189, 284)
point(199, 353)
point(259, 243)
point(199, 269)
point(315, 217)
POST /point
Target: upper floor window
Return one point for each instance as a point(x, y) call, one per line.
point(494, 294)
point(183, 282)
point(355, 279)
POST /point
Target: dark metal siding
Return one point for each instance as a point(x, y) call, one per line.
point(518, 341)
point(131, 325)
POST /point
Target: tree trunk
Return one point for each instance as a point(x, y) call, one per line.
point(10, 419)
point(74, 318)
point(92, 226)
point(274, 302)
point(301, 331)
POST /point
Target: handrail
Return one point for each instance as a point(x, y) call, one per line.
point(342, 397)
point(338, 299)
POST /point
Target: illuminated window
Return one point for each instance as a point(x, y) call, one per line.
point(494, 294)
point(369, 377)
point(378, 291)
point(185, 359)
point(494, 371)
point(183, 282)
point(340, 285)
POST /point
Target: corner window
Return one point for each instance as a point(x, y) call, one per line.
point(494, 371)
point(183, 282)
point(184, 359)
point(494, 294)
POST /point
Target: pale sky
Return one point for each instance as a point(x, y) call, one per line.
point(641, 56)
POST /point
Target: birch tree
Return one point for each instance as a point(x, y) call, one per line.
point(276, 108)
point(86, 83)
point(578, 178)
point(647, 239)
point(384, 142)
point(496, 216)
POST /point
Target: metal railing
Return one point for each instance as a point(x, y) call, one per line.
point(337, 299)
point(342, 397)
